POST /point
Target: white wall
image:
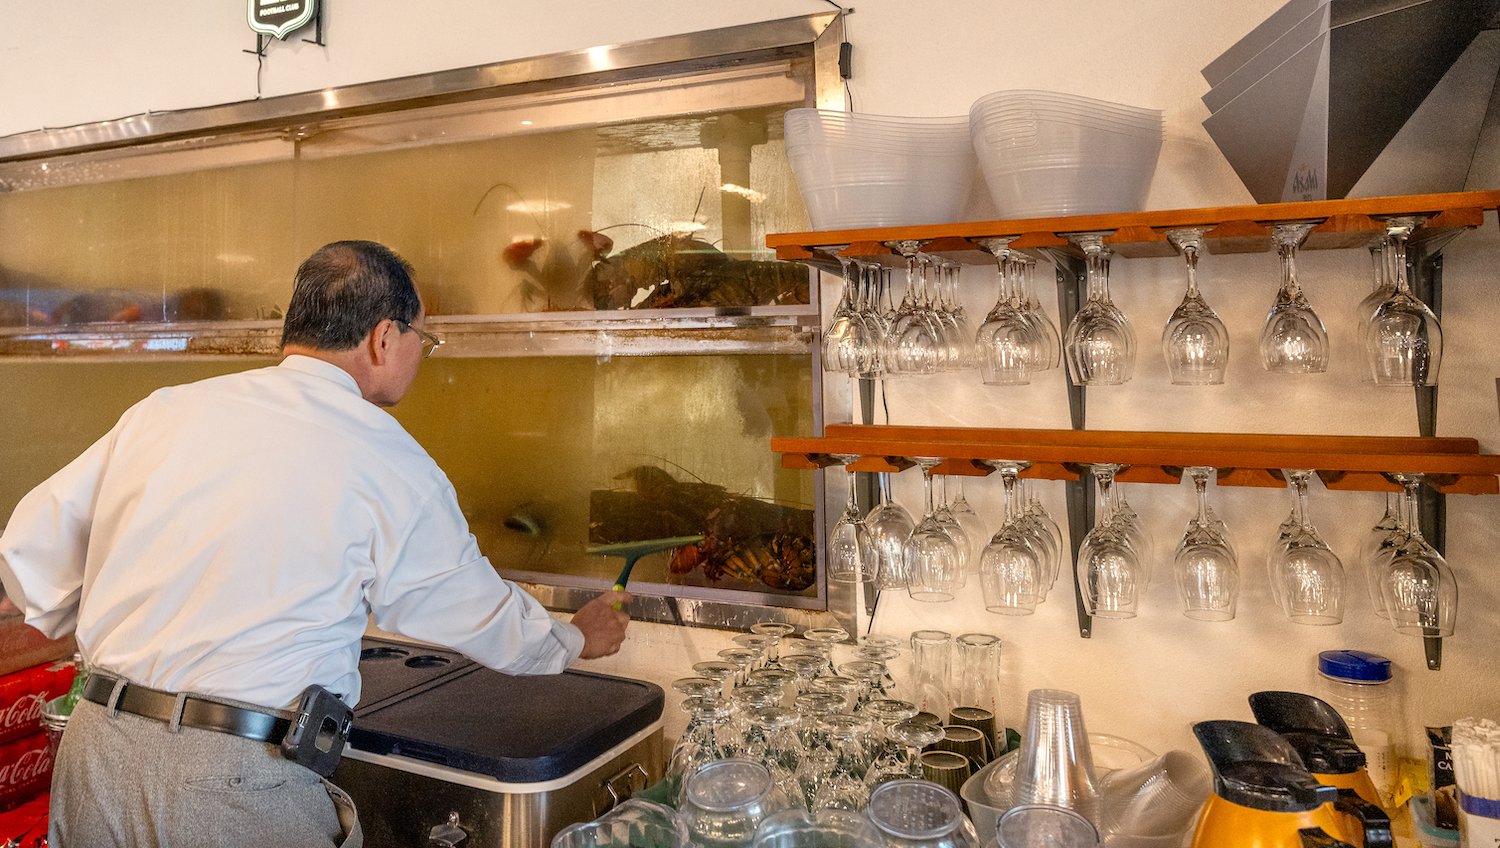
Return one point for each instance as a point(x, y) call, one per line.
point(1146, 679)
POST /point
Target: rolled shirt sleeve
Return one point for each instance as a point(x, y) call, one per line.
point(437, 587)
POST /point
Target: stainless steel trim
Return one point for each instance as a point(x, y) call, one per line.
point(639, 58)
point(722, 614)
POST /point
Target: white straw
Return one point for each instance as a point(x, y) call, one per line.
point(1476, 757)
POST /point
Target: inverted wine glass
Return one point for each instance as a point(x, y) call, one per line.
point(851, 553)
point(1418, 586)
point(1109, 566)
point(1194, 340)
point(1307, 578)
point(1010, 570)
point(1403, 339)
point(1008, 345)
point(1208, 573)
point(889, 526)
point(1293, 340)
point(1099, 343)
point(933, 564)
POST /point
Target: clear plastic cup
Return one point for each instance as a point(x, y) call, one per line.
point(1056, 765)
point(826, 828)
point(724, 801)
point(920, 813)
point(1044, 826)
point(1157, 798)
point(633, 822)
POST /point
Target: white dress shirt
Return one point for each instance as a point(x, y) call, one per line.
point(234, 537)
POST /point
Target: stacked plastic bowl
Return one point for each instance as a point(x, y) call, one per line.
point(856, 170)
point(1044, 153)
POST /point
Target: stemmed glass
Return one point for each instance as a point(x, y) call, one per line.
point(1208, 573)
point(934, 564)
point(955, 529)
point(889, 526)
point(1418, 587)
point(1379, 546)
point(964, 513)
point(892, 757)
point(851, 553)
point(841, 339)
point(957, 333)
point(1194, 341)
point(775, 631)
point(1403, 340)
point(1383, 285)
point(1307, 578)
point(913, 345)
point(1051, 349)
point(1010, 570)
point(1100, 343)
point(1009, 345)
point(1293, 340)
point(1109, 565)
point(1048, 535)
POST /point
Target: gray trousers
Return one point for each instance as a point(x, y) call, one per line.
point(122, 780)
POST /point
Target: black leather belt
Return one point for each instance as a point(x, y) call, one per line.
point(196, 712)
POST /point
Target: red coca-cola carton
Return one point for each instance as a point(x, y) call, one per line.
point(23, 692)
point(25, 770)
point(26, 822)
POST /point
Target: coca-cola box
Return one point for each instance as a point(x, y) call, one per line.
point(26, 822)
point(22, 694)
point(25, 770)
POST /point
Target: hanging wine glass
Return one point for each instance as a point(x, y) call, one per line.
point(889, 526)
point(1032, 309)
point(967, 518)
point(874, 294)
point(956, 531)
point(851, 553)
point(1293, 340)
point(933, 565)
point(1419, 587)
point(913, 345)
point(1208, 572)
point(1194, 341)
point(1403, 340)
point(957, 331)
point(1306, 576)
point(841, 336)
point(1109, 567)
point(1010, 570)
point(1379, 546)
point(1048, 535)
point(1006, 343)
point(1099, 343)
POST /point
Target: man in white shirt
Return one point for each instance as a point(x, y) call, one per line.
point(224, 547)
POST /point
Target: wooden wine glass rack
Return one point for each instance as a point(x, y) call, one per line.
point(1370, 463)
point(1348, 463)
point(1231, 229)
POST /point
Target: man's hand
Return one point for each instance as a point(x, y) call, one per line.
point(603, 626)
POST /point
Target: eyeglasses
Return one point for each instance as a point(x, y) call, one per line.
point(430, 342)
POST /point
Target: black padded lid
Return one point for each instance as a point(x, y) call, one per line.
point(388, 668)
point(516, 729)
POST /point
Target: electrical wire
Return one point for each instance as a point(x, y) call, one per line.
point(844, 16)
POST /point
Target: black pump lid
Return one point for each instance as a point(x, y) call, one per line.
point(1315, 729)
point(1254, 767)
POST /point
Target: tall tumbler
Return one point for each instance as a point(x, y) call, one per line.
point(932, 659)
point(1055, 765)
point(977, 686)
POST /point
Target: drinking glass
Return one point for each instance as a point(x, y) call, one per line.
point(1099, 343)
point(967, 517)
point(913, 343)
point(775, 631)
point(702, 741)
point(1419, 588)
point(851, 554)
point(1056, 763)
point(1010, 570)
point(1009, 345)
point(799, 828)
point(919, 814)
point(978, 680)
point(842, 785)
point(892, 756)
point(1037, 315)
point(723, 802)
point(1307, 578)
point(1379, 546)
point(1109, 565)
point(1293, 340)
point(955, 321)
point(1403, 340)
point(822, 640)
point(1384, 286)
point(1048, 535)
point(1194, 341)
point(1208, 573)
point(869, 310)
point(932, 661)
point(955, 530)
point(889, 526)
point(934, 564)
point(842, 338)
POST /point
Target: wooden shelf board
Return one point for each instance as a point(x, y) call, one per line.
point(1233, 229)
point(1343, 462)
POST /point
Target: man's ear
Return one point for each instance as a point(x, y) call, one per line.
point(380, 343)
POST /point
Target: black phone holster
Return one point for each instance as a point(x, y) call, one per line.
point(320, 727)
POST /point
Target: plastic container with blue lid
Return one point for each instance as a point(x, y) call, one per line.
point(1357, 685)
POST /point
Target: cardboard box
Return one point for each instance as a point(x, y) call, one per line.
point(22, 694)
point(23, 646)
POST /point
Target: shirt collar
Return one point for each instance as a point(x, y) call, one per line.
point(319, 368)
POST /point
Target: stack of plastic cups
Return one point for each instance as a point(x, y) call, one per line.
point(856, 170)
point(1056, 767)
point(1153, 804)
point(1045, 153)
